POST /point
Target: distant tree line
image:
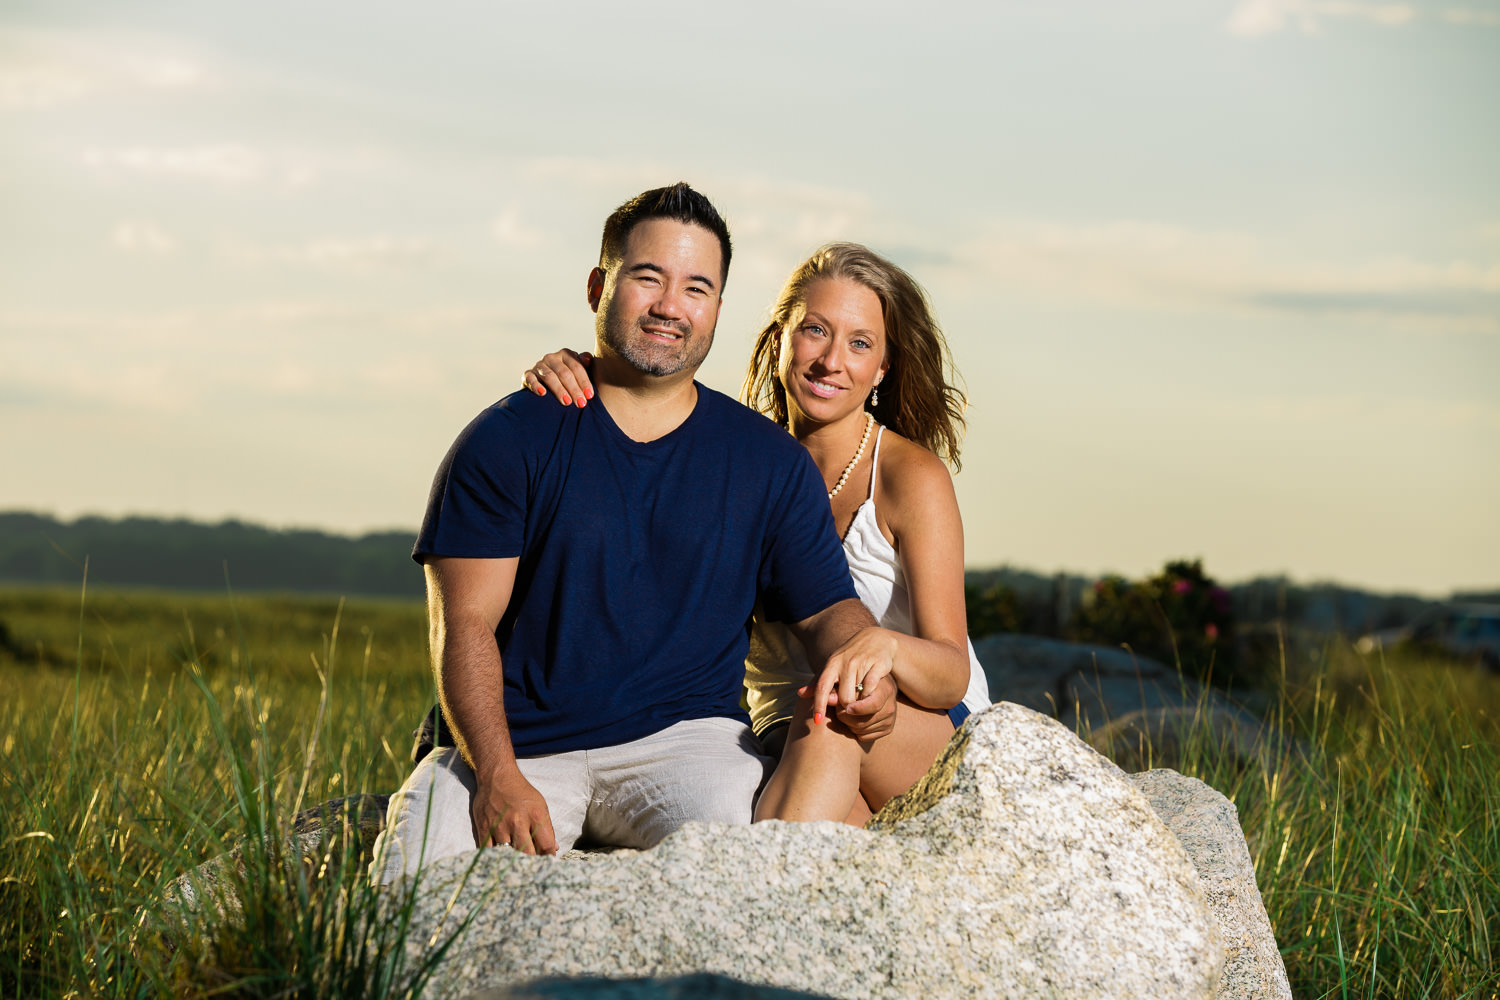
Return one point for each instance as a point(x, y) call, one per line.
point(188, 555)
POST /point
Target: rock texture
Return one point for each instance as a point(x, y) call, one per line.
point(1023, 865)
point(1164, 737)
point(350, 823)
point(1207, 825)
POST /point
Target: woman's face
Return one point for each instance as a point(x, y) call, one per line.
point(835, 353)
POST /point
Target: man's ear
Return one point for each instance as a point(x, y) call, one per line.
point(596, 287)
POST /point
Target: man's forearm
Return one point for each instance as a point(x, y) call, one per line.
point(472, 691)
point(826, 631)
point(931, 673)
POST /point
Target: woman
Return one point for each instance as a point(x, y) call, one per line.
point(852, 363)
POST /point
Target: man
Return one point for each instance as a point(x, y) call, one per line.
point(591, 571)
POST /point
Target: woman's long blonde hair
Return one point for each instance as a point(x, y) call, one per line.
point(918, 397)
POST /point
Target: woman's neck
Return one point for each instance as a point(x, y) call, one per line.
point(831, 445)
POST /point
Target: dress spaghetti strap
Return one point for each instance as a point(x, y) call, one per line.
point(875, 461)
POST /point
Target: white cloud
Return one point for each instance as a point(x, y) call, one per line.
point(24, 87)
point(225, 163)
point(1464, 15)
point(143, 237)
point(271, 358)
point(1159, 265)
point(165, 72)
point(1405, 412)
point(340, 253)
point(46, 69)
point(799, 216)
point(589, 172)
point(125, 383)
point(1254, 18)
point(749, 200)
point(511, 230)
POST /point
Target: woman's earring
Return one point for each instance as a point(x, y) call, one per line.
point(875, 396)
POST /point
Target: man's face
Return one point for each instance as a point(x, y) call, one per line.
point(657, 308)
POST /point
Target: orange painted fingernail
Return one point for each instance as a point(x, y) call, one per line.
point(817, 718)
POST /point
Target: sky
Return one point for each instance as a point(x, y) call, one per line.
point(1221, 277)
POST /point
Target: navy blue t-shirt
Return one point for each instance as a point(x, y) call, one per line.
point(640, 563)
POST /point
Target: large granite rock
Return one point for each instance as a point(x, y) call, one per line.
point(1208, 827)
point(1023, 865)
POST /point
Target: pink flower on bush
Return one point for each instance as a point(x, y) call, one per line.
point(1211, 630)
point(1181, 586)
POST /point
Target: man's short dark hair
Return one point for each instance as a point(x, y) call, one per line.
point(678, 202)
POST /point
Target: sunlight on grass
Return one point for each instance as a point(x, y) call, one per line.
point(146, 733)
point(157, 752)
point(1374, 833)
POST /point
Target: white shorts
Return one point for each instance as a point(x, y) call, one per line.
point(631, 795)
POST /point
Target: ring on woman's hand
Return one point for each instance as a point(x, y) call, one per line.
point(859, 688)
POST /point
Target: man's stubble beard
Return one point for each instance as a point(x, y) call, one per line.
point(654, 359)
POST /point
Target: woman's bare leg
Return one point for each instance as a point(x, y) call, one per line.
point(818, 777)
point(892, 764)
point(825, 773)
point(860, 814)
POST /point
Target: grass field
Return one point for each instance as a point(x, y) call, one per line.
point(142, 733)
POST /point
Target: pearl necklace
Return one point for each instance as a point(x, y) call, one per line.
point(860, 453)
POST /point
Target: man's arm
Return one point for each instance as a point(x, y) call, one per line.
point(465, 601)
point(854, 651)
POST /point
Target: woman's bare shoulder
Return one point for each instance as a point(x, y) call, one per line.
point(911, 477)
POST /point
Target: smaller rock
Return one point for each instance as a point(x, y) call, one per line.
point(1170, 736)
point(1208, 827)
point(1082, 686)
point(353, 821)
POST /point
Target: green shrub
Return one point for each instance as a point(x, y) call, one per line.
point(1179, 616)
point(994, 609)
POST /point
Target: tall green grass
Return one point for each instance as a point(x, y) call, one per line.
point(166, 745)
point(142, 734)
point(1372, 824)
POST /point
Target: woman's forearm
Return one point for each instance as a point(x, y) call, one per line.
point(933, 673)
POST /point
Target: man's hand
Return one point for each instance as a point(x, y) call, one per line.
point(511, 811)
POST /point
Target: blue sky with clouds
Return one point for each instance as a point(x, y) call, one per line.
point(1223, 278)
